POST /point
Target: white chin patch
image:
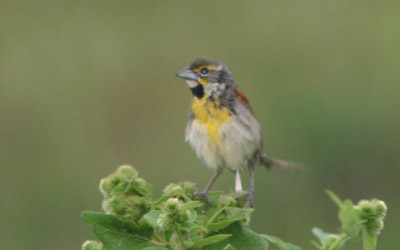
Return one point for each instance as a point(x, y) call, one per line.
point(192, 83)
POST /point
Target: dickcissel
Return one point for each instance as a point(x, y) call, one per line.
point(222, 128)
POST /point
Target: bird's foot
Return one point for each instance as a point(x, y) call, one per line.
point(250, 198)
point(204, 195)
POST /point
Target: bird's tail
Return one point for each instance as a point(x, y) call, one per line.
point(271, 163)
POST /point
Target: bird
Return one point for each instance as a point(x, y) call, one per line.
point(222, 128)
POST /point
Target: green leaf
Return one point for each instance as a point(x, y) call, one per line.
point(122, 186)
point(242, 239)
point(168, 234)
point(155, 248)
point(348, 216)
point(115, 233)
point(316, 244)
point(141, 187)
point(351, 223)
point(238, 215)
point(152, 217)
point(114, 240)
point(110, 221)
point(210, 240)
point(335, 198)
point(213, 196)
point(323, 237)
point(279, 243)
point(192, 204)
point(213, 227)
point(193, 227)
point(229, 247)
point(193, 215)
point(162, 200)
point(327, 239)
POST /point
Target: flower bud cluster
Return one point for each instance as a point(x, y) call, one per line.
point(372, 212)
point(181, 190)
point(173, 213)
point(226, 201)
point(125, 194)
point(92, 245)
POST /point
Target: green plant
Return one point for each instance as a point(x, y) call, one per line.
point(362, 220)
point(133, 219)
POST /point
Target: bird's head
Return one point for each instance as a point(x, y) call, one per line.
point(207, 76)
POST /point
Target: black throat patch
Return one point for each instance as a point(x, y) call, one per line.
point(198, 91)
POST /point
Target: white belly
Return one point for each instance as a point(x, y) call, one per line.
point(235, 149)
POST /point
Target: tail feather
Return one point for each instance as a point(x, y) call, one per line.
point(271, 163)
point(238, 182)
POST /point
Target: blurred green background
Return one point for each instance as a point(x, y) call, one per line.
point(86, 86)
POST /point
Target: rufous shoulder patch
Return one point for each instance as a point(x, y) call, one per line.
point(242, 97)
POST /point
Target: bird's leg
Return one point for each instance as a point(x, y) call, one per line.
point(250, 191)
point(204, 194)
point(250, 197)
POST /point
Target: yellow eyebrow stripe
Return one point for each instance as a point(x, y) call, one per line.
point(209, 67)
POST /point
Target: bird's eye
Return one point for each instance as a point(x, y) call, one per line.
point(204, 71)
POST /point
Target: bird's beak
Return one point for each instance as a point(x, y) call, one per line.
point(187, 73)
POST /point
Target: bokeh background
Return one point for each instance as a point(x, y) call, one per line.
point(86, 86)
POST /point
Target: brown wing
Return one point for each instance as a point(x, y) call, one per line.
point(242, 97)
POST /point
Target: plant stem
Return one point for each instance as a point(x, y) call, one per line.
point(180, 237)
point(339, 240)
point(214, 216)
point(158, 243)
point(369, 240)
point(186, 197)
point(158, 240)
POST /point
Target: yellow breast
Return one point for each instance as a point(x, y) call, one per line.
point(212, 114)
